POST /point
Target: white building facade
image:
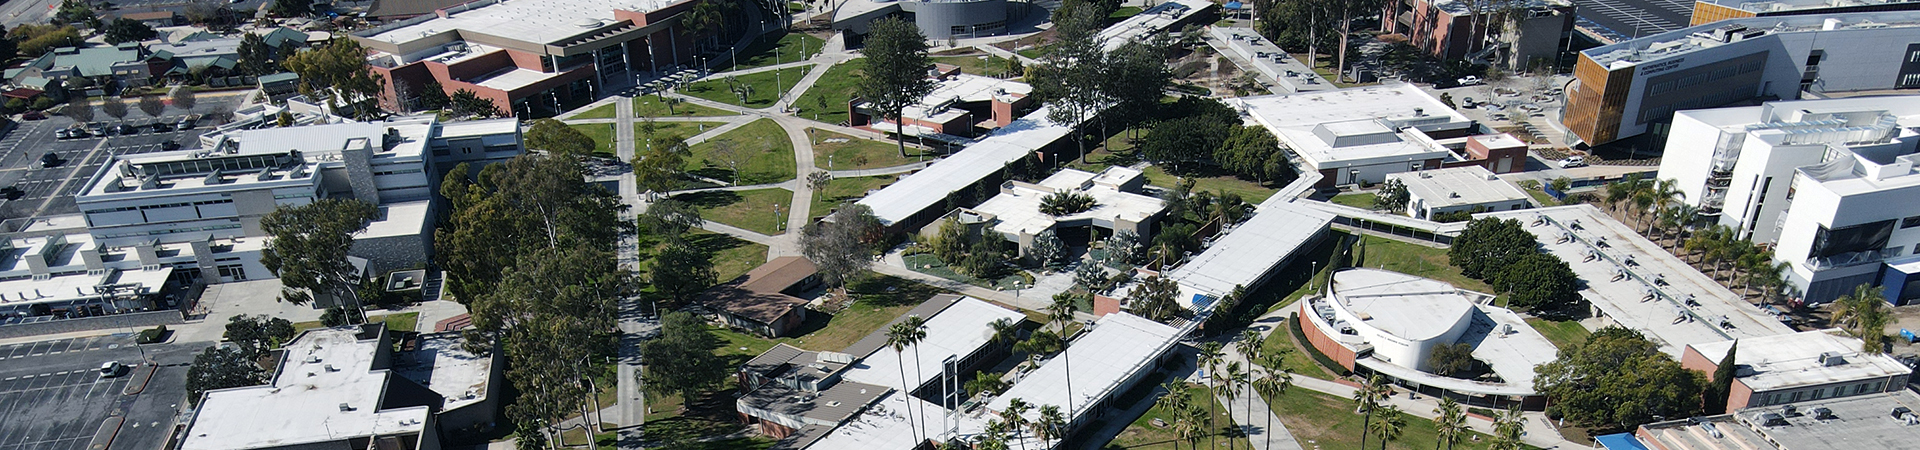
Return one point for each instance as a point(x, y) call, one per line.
point(1830, 183)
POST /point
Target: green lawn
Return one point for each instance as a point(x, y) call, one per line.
point(646, 105)
point(601, 112)
point(827, 100)
point(1144, 435)
point(1561, 333)
point(764, 151)
point(878, 299)
point(762, 87)
point(753, 210)
point(1360, 200)
point(731, 256)
point(1540, 197)
point(761, 53)
point(1297, 359)
point(395, 322)
point(1252, 193)
point(1418, 260)
point(1330, 423)
point(602, 134)
point(684, 129)
point(992, 66)
point(842, 190)
point(1123, 13)
point(835, 151)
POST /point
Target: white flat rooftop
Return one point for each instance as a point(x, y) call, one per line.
point(966, 88)
point(1293, 117)
point(928, 187)
point(1406, 306)
point(1113, 350)
point(957, 331)
point(1792, 360)
point(1018, 209)
point(438, 363)
point(1150, 21)
point(533, 21)
point(1247, 252)
point(1664, 318)
point(1466, 185)
point(324, 392)
point(399, 219)
point(515, 79)
point(473, 128)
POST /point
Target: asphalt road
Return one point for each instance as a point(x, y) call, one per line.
point(1632, 18)
point(53, 398)
point(50, 190)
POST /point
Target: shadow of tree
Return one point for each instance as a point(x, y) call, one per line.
point(710, 199)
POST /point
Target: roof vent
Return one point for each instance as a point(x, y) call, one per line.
point(833, 403)
point(1822, 413)
point(345, 408)
point(1831, 359)
point(1789, 410)
point(1901, 411)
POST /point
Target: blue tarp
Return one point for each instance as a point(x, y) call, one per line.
point(1234, 5)
point(1622, 441)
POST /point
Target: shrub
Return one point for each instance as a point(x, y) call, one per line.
point(1064, 203)
point(152, 335)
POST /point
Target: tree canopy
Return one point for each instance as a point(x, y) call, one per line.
point(127, 30)
point(1617, 378)
point(895, 76)
point(681, 361)
point(309, 247)
point(558, 138)
point(1540, 282)
point(336, 72)
point(843, 244)
point(221, 368)
point(254, 335)
point(1155, 300)
point(1487, 245)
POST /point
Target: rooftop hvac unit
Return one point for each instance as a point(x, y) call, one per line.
point(1789, 410)
point(1711, 430)
point(344, 407)
point(1831, 359)
point(1822, 413)
point(1901, 411)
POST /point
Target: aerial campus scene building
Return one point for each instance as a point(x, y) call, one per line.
point(985, 224)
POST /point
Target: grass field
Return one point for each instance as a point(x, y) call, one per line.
point(1329, 423)
point(1142, 434)
point(684, 129)
point(827, 100)
point(842, 190)
point(602, 134)
point(992, 66)
point(1362, 200)
point(1561, 333)
point(395, 322)
point(753, 210)
point(1252, 193)
point(790, 45)
point(600, 112)
point(731, 256)
point(857, 153)
point(765, 152)
point(1297, 359)
point(762, 87)
point(647, 105)
point(1418, 260)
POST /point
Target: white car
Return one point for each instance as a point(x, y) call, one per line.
point(1573, 161)
point(1469, 80)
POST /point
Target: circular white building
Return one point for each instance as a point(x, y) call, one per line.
point(1400, 317)
point(937, 19)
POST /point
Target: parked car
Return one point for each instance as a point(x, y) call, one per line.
point(183, 124)
point(1470, 80)
point(1573, 161)
point(170, 145)
point(12, 193)
point(112, 369)
point(33, 115)
point(162, 127)
point(50, 159)
point(62, 134)
point(129, 129)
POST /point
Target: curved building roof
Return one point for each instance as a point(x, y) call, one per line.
point(1405, 306)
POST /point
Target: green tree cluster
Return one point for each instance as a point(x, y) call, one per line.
point(1066, 203)
point(1617, 379)
point(35, 40)
point(528, 248)
point(557, 138)
point(1392, 197)
point(681, 361)
point(1864, 313)
point(1502, 253)
point(1155, 299)
point(842, 246)
point(127, 30)
point(336, 72)
point(895, 76)
point(221, 368)
point(255, 335)
point(309, 247)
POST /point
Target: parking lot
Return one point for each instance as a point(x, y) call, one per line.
point(1631, 18)
point(52, 396)
point(49, 190)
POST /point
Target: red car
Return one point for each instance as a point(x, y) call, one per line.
point(33, 115)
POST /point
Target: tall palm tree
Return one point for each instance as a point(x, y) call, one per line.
point(1061, 313)
point(1863, 313)
point(1195, 423)
point(1449, 424)
point(1052, 424)
point(905, 334)
point(1176, 402)
point(1236, 383)
point(994, 437)
point(1015, 419)
point(1369, 397)
point(1004, 331)
point(1277, 381)
point(1210, 356)
point(703, 21)
point(1390, 425)
point(1506, 430)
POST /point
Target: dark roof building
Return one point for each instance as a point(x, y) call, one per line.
point(762, 300)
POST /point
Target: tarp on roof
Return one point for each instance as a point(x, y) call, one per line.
point(1621, 441)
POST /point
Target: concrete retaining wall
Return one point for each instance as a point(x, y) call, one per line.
point(135, 321)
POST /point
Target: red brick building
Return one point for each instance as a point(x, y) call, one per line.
point(530, 57)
